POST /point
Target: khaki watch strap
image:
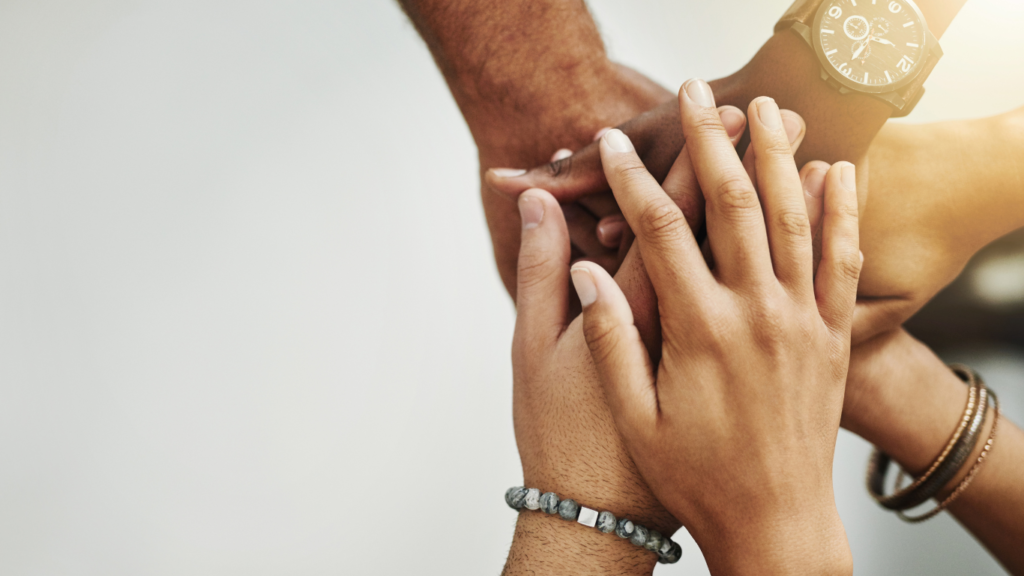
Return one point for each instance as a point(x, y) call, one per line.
point(801, 11)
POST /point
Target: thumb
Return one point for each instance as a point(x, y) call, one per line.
point(543, 288)
point(620, 357)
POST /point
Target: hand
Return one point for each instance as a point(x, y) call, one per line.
point(530, 136)
point(738, 446)
point(839, 127)
point(567, 441)
point(938, 194)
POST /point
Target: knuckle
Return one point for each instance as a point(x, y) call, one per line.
point(632, 173)
point(736, 194)
point(848, 266)
point(777, 148)
point(707, 123)
point(602, 338)
point(662, 220)
point(534, 271)
point(560, 168)
point(793, 224)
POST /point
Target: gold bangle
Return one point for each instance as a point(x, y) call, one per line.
point(970, 474)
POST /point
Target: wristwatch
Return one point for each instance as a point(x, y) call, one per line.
point(878, 47)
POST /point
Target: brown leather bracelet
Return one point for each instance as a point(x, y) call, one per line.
point(949, 462)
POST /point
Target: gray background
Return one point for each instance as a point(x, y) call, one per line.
point(249, 320)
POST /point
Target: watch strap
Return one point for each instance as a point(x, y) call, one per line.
point(802, 11)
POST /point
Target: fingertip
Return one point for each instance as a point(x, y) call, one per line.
point(734, 120)
point(609, 230)
point(561, 154)
point(616, 140)
point(795, 127)
point(813, 178)
point(600, 133)
point(585, 283)
point(507, 181)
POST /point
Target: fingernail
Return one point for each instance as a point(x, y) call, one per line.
point(793, 128)
point(507, 172)
point(561, 154)
point(618, 141)
point(699, 91)
point(768, 113)
point(531, 210)
point(849, 176)
point(609, 230)
point(601, 133)
point(862, 257)
point(734, 121)
point(586, 288)
point(814, 183)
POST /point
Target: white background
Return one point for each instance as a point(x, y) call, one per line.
point(249, 320)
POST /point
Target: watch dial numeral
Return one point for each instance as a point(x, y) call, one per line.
point(871, 44)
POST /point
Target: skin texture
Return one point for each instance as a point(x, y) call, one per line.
point(840, 127)
point(939, 193)
point(564, 429)
point(697, 423)
point(902, 398)
point(530, 78)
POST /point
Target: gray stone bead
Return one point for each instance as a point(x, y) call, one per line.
point(549, 503)
point(515, 497)
point(569, 509)
point(666, 545)
point(624, 528)
point(654, 540)
point(606, 522)
point(532, 501)
point(639, 537)
point(675, 552)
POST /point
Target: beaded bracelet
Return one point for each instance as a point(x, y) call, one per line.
point(668, 551)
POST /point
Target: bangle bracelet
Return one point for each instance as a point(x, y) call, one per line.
point(949, 461)
point(970, 474)
point(668, 551)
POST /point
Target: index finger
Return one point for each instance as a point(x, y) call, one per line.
point(669, 250)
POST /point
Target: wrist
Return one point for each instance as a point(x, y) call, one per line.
point(808, 539)
point(554, 110)
point(903, 399)
point(544, 544)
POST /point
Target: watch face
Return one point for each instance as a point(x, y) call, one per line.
point(873, 45)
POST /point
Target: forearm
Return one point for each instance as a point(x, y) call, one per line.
point(975, 183)
point(912, 408)
point(545, 544)
point(535, 65)
point(839, 127)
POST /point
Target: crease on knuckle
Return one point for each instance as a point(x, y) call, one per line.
point(777, 149)
point(560, 168)
point(534, 271)
point(602, 339)
point(662, 221)
point(735, 195)
point(793, 224)
point(707, 123)
point(632, 174)
point(847, 265)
